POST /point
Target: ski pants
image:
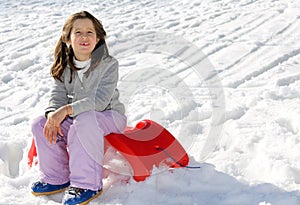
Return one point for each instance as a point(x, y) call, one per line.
point(78, 155)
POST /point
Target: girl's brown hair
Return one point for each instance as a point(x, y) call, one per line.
point(63, 54)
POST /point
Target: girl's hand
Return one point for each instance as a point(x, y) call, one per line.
point(53, 123)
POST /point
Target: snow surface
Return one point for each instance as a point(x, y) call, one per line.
point(221, 75)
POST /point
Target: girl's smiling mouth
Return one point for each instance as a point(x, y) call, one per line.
point(84, 44)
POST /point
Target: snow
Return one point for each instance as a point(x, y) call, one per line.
point(221, 76)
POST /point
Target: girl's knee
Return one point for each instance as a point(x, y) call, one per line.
point(38, 123)
point(85, 115)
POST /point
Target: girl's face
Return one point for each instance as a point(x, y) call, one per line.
point(83, 39)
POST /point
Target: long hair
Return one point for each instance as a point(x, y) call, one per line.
point(63, 54)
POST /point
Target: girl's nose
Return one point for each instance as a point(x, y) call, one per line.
point(84, 36)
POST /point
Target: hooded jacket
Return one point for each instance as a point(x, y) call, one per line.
point(97, 90)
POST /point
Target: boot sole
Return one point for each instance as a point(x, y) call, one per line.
point(94, 197)
point(48, 193)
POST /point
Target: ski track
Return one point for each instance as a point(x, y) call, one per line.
point(256, 81)
point(266, 68)
point(285, 57)
point(239, 35)
point(254, 51)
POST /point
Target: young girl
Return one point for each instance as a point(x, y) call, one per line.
point(84, 107)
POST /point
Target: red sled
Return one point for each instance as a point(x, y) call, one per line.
point(146, 145)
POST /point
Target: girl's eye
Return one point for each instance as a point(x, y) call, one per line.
point(79, 33)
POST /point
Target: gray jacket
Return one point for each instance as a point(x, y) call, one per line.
point(97, 91)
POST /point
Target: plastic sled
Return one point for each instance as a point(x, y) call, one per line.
point(146, 145)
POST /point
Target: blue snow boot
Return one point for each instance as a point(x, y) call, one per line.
point(42, 188)
point(78, 196)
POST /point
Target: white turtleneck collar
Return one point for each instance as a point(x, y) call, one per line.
point(83, 65)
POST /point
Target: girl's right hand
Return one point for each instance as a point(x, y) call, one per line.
point(53, 124)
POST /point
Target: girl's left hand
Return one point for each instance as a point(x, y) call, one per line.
point(53, 124)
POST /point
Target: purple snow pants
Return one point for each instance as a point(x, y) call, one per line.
point(78, 155)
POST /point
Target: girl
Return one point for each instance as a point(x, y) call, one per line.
point(84, 107)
